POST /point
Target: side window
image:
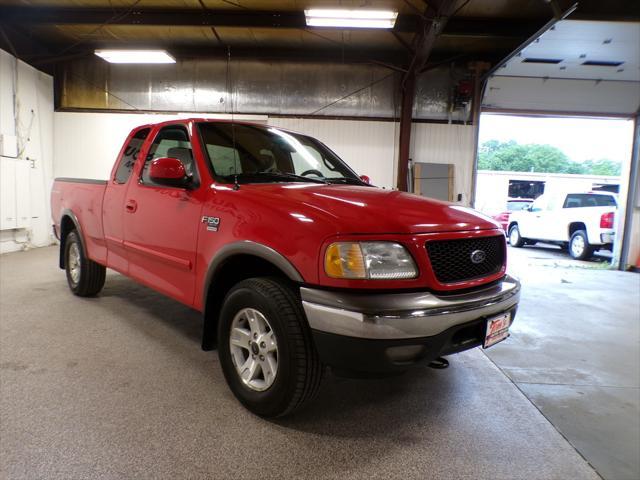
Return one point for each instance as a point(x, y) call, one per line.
point(577, 200)
point(172, 141)
point(226, 160)
point(539, 204)
point(129, 156)
point(573, 201)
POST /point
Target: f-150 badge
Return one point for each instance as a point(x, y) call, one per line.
point(213, 223)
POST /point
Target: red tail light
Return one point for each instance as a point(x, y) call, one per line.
point(606, 220)
point(503, 217)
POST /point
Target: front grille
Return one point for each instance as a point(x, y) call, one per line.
point(451, 259)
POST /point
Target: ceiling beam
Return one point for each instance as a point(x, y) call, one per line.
point(462, 26)
point(386, 58)
point(22, 44)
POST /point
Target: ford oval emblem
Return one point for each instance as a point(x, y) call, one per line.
point(478, 256)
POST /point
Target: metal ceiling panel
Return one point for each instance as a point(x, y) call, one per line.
point(284, 88)
point(562, 96)
point(550, 74)
point(575, 42)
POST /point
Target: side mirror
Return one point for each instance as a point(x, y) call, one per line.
point(365, 179)
point(169, 171)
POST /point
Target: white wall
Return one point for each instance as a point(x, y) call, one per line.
point(443, 143)
point(87, 143)
point(26, 111)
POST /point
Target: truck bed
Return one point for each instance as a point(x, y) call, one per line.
point(82, 199)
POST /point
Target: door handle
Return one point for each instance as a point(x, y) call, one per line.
point(131, 206)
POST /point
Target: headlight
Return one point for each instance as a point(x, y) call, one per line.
point(369, 260)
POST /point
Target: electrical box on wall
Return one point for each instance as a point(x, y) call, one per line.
point(8, 145)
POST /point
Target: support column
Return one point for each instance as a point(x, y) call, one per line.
point(435, 18)
point(628, 241)
point(479, 84)
point(406, 115)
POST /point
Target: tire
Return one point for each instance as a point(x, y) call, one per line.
point(84, 276)
point(579, 247)
point(515, 239)
point(277, 314)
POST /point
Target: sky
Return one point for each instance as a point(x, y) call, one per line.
point(579, 138)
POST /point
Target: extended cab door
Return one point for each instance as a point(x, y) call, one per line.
point(161, 223)
point(530, 221)
point(114, 197)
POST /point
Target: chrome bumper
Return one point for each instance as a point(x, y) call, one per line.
point(403, 315)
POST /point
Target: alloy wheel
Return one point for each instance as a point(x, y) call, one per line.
point(254, 349)
point(74, 262)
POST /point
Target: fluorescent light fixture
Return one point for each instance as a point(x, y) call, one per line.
point(135, 56)
point(317, 17)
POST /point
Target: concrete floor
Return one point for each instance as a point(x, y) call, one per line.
point(117, 387)
point(575, 353)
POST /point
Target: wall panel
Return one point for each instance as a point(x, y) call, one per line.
point(30, 119)
point(87, 143)
point(443, 143)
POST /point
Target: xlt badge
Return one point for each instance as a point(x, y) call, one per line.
point(212, 223)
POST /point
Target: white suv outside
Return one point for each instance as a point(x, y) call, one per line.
point(581, 222)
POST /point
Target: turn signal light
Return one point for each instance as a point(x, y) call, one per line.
point(344, 260)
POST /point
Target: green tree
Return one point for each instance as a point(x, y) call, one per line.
point(511, 156)
point(604, 166)
point(501, 156)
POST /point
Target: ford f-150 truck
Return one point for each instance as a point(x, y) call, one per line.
point(295, 261)
point(579, 222)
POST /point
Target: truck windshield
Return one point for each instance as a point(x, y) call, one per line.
point(256, 154)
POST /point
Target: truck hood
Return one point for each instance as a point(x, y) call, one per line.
point(365, 210)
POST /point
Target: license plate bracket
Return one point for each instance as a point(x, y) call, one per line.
point(497, 329)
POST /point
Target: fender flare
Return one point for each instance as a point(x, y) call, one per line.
point(63, 238)
point(247, 247)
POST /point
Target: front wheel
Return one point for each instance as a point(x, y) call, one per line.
point(579, 247)
point(515, 239)
point(265, 348)
point(84, 276)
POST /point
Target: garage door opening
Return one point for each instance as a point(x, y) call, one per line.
point(528, 165)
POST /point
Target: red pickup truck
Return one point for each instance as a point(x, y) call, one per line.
point(295, 261)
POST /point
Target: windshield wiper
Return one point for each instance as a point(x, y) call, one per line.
point(347, 180)
point(291, 176)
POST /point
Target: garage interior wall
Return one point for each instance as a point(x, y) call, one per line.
point(26, 163)
point(85, 144)
point(369, 146)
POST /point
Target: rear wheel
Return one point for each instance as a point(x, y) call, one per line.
point(265, 348)
point(579, 247)
point(515, 239)
point(84, 276)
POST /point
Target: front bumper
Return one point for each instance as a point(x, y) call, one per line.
point(367, 332)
